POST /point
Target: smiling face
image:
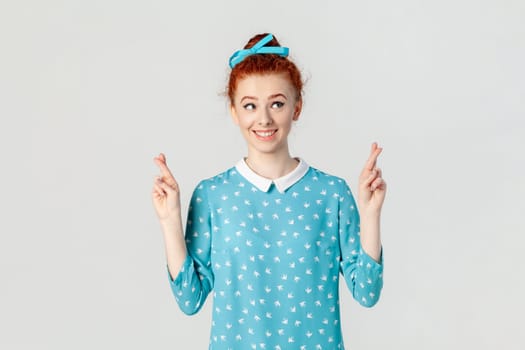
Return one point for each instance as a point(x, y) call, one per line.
point(264, 108)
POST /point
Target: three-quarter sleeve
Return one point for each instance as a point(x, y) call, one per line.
point(363, 275)
point(194, 281)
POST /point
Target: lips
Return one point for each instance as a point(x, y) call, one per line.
point(265, 133)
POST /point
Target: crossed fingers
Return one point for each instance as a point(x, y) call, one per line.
point(165, 174)
point(372, 159)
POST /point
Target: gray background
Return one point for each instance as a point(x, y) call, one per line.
point(90, 91)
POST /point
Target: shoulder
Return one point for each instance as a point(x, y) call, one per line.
point(220, 181)
point(326, 179)
point(335, 187)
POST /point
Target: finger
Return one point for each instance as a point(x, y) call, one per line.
point(372, 159)
point(377, 184)
point(170, 182)
point(158, 191)
point(164, 186)
point(370, 178)
point(382, 183)
point(165, 171)
point(160, 160)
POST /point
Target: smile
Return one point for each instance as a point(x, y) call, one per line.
point(267, 133)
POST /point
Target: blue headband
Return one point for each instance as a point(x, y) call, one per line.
point(240, 55)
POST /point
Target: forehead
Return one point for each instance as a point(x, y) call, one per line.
point(263, 85)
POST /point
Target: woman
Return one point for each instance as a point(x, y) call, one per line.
point(271, 235)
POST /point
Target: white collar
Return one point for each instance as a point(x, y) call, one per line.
point(282, 183)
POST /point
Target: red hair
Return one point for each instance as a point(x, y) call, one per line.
point(262, 64)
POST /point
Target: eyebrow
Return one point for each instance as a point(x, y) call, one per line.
point(248, 97)
point(270, 97)
point(277, 95)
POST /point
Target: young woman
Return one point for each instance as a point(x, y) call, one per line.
point(271, 236)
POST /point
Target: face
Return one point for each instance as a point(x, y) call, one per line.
point(264, 108)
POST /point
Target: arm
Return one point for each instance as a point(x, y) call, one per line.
point(166, 200)
point(372, 190)
point(363, 273)
point(188, 260)
point(361, 250)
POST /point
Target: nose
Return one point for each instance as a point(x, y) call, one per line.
point(265, 117)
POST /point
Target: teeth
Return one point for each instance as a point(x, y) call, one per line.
point(265, 133)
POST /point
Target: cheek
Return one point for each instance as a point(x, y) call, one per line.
point(244, 120)
point(238, 116)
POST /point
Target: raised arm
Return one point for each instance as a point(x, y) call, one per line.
point(363, 274)
point(188, 255)
point(371, 195)
point(166, 200)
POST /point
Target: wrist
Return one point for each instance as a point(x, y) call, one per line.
point(371, 215)
point(170, 224)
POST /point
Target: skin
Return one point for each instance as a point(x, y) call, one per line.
point(264, 108)
point(267, 103)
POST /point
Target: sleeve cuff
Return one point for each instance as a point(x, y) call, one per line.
point(185, 266)
point(369, 262)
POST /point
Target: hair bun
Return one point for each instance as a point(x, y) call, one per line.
point(256, 38)
point(271, 62)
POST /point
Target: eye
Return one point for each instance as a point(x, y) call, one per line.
point(277, 104)
point(249, 106)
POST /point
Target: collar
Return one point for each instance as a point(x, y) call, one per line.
point(282, 183)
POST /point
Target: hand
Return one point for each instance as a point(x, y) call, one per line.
point(372, 187)
point(166, 194)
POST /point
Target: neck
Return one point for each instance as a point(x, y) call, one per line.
point(271, 166)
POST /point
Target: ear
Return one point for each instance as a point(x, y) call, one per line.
point(298, 109)
point(234, 115)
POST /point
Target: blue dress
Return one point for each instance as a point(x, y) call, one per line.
point(272, 253)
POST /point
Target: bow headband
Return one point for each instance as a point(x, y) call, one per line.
point(240, 55)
